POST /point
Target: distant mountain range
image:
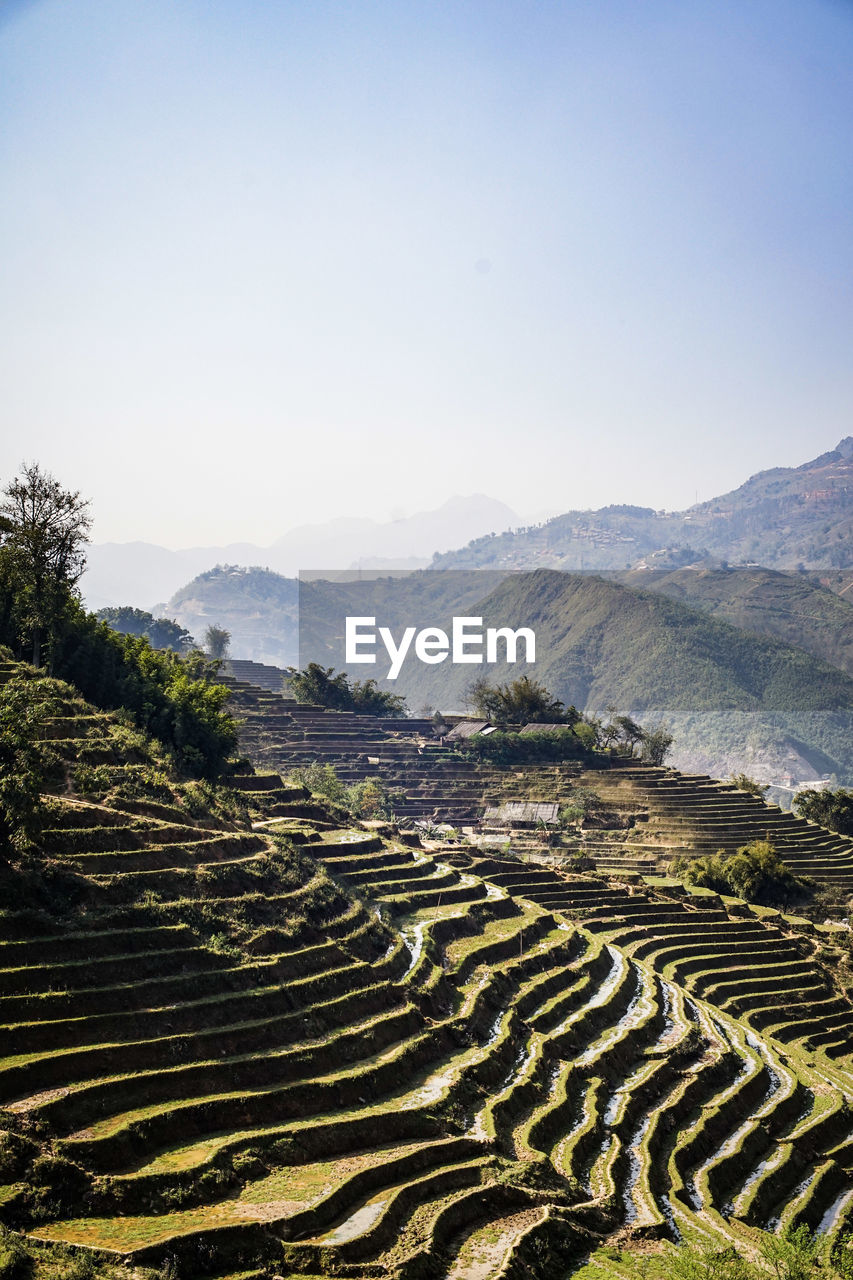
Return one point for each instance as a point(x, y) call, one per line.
point(786, 518)
point(144, 574)
point(751, 666)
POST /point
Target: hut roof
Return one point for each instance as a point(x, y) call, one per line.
point(466, 729)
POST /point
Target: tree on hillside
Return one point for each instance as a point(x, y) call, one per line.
point(656, 745)
point(43, 532)
point(321, 686)
point(163, 633)
point(22, 765)
point(832, 809)
point(217, 641)
point(520, 701)
point(629, 732)
point(743, 782)
point(755, 873)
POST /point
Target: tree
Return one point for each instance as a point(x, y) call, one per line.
point(163, 633)
point(656, 745)
point(172, 697)
point(832, 809)
point(320, 685)
point(521, 701)
point(755, 873)
point(629, 732)
point(217, 641)
point(44, 529)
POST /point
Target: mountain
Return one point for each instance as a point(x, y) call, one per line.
point(351, 542)
point(793, 607)
point(735, 701)
point(142, 573)
point(785, 518)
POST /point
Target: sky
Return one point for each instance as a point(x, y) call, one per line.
point(267, 263)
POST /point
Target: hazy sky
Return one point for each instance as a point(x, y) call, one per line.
point(270, 262)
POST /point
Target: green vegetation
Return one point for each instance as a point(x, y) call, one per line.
point(579, 804)
point(216, 642)
point(320, 685)
point(24, 763)
point(733, 701)
point(504, 747)
point(656, 744)
point(525, 701)
point(257, 606)
point(368, 798)
point(43, 531)
point(795, 1254)
point(793, 607)
point(42, 536)
point(175, 699)
point(752, 788)
point(162, 633)
point(755, 873)
point(334, 1051)
point(832, 809)
point(519, 702)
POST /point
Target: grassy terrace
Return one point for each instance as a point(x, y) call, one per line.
point(383, 1060)
point(769, 972)
point(689, 814)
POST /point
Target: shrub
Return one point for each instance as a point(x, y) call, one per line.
point(503, 747)
point(321, 686)
point(755, 873)
point(580, 802)
point(15, 1261)
point(519, 701)
point(656, 745)
point(709, 1263)
point(174, 699)
point(23, 765)
point(369, 798)
point(321, 780)
point(743, 782)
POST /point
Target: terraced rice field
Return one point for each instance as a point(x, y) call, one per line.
point(698, 815)
point(368, 1058)
point(665, 813)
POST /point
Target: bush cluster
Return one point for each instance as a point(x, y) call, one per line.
point(755, 873)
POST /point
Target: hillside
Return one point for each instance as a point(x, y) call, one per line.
point(782, 606)
point(649, 815)
point(785, 518)
point(257, 606)
point(736, 701)
point(224, 1056)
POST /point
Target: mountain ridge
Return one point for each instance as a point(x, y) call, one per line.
point(785, 517)
point(144, 573)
